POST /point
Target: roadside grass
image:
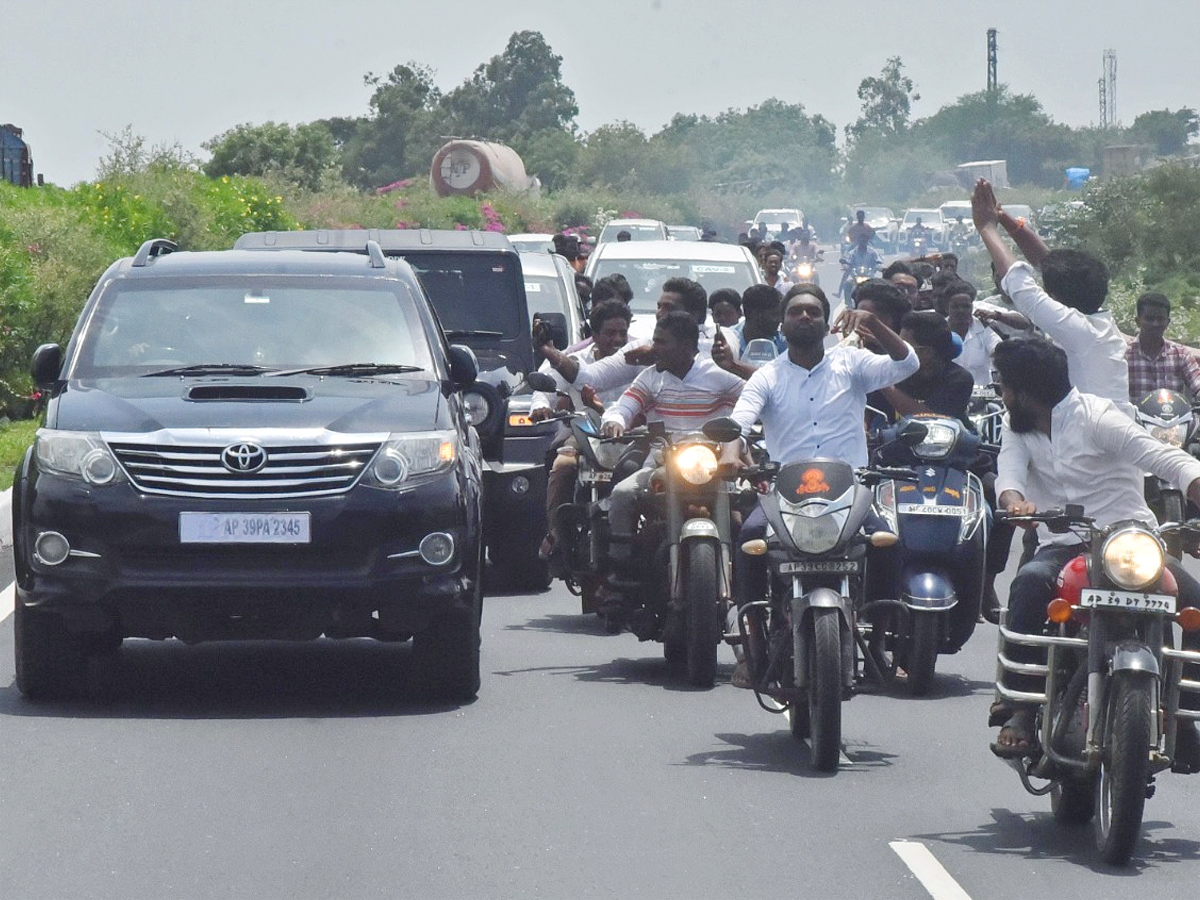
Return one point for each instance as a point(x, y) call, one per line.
point(14, 438)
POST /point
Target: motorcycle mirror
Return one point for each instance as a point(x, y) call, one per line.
point(540, 381)
point(722, 430)
point(912, 433)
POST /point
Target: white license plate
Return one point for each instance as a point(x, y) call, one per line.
point(921, 509)
point(594, 477)
point(1159, 603)
point(244, 528)
point(832, 566)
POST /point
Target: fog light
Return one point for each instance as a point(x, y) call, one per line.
point(437, 549)
point(51, 548)
point(520, 485)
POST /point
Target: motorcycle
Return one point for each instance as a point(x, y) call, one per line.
point(804, 270)
point(986, 412)
point(680, 579)
point(804, 644)
point(918, 244)
point(938, 565)
point(1108, 715)
point(1171, 419)
point(852, 277)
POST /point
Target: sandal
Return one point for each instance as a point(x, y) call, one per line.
point(1021, 739)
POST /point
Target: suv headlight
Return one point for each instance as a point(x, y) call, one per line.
point(695, 463)
point(1133, 559)
point(406, 459)
point(476, 408)
point(81, 455)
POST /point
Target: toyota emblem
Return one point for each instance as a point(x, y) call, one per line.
point(244, 459)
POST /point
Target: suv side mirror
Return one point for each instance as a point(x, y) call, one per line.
point(47, 363)
point(464, 367)
point(556, 325)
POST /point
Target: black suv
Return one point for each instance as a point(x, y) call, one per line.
point(474, 280)
point(246, 446)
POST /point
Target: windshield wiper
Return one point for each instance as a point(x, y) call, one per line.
point(212, 369)
point(461, 333)
point(364, 368)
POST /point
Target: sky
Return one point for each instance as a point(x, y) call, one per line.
point(184, 71)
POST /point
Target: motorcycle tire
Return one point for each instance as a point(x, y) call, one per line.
point(923, 653)
point(825, 689)
point(1124, 768)
point(704, 623)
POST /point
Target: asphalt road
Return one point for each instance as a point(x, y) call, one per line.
point(582, 770)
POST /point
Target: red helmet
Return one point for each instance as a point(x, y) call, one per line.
point(1073, 579)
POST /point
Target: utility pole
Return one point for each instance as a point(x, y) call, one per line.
point(992, 84)
point(1103, 86)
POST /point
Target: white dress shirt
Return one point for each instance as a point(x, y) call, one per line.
point(613, 371)
point(542, 400)
point(680, 404)
point(1094, 346)
point(1094, 457)
point(819, 411)
point(977, 349)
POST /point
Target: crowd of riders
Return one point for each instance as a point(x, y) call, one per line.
point(916, 339)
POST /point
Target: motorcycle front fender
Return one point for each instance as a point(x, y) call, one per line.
point(1132, 656)
point(927, 589)
point(699, 528)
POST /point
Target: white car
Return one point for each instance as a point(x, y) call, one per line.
point(882, 219)
point(683, 232)
point(930, 218)
point(648, 264)
point(776, 221)
point(550, 288)
point(532, 243)
point(639, 230)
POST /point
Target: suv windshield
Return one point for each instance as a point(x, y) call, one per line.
point(646, 277)
point(254, 322)
point(473, 292)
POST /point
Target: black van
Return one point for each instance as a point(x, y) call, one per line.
point(475, 282)
point(249, 446)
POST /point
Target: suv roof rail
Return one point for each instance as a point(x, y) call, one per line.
point(152, 248)
point(378, 260)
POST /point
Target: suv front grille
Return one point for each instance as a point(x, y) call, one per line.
point(300, 470)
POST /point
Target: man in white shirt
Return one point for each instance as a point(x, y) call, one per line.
point(622, 367)
point(1062, 446)
point(978, 340)
point(1068, 309)
point(811, 401)
point(681, 392)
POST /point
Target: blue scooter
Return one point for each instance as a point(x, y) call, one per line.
point(937, 567)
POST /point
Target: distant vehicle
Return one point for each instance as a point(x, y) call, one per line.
point(1021, 211)
point(683, 232)
point(648, 264)
point(532, 243)
point(550, 292)
point(639, 230)
point(776, 221)
point(1052, 217)
point(930, 218)
point(954, 208)
point(881, 218)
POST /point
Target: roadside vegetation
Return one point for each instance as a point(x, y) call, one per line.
point(15, 437)
point(372, 171)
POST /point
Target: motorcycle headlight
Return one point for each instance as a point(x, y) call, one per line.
point(816, 534)
point(695, 463)
point(804, 270)
point(407, 459)
point(1133, 559)
point(938, 443)
point(1173, 434)
point(77, 454)
point(476, 408)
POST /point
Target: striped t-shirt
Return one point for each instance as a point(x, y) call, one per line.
point(680, 404)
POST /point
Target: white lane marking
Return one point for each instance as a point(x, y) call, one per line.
point(7, 599)
point(933, 877)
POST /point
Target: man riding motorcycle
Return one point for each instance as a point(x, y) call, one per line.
point(1060, 447)
point(811, 402)
point(681, 392)
point(863, 258)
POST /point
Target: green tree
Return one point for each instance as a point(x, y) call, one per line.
point(401, 134)
point(514, 96)
point(1167, 131)
point(887, 100)
point(302, 154)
